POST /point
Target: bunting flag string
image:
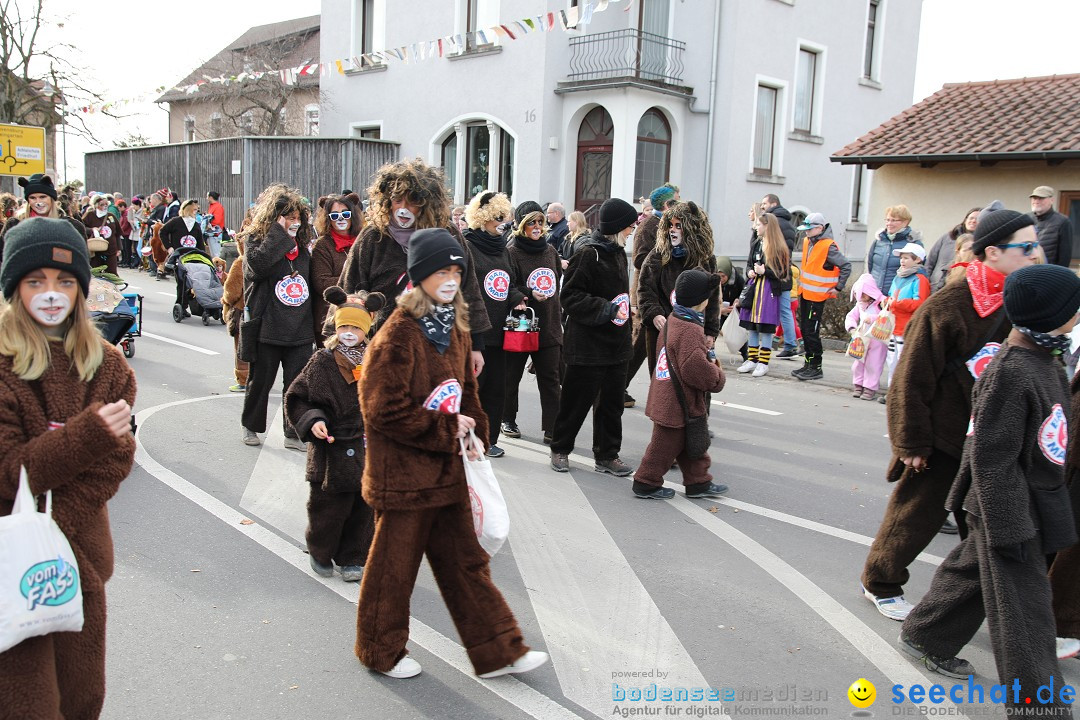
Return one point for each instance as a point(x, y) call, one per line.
point(567, 20)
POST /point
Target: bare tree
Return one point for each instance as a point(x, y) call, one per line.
point(36, 79)
point(256, 105)
point(132, 140)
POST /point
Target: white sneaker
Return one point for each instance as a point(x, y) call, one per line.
point(747, 366)
point(529, 661)
point(1067, 648)
point(761, 369)
point(894, 608)
point(406, 668)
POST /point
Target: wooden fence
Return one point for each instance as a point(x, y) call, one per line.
point(239, 168)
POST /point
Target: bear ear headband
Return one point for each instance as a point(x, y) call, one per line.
point(486, 198)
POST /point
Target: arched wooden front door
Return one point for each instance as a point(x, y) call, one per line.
point(596, 137)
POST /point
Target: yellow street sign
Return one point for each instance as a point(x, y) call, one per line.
point(22, 150)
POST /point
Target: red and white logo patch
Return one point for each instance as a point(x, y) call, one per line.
point(408, 284)
point(106, 232)
point(1054, 436)
point(978, 362)
point(672, 298)
point(663, 372)
point(497, 284)
point(187, 241)
point(621, 301)
point(477, 506)
point(445, 398)
point(292, 290)
point(53, 425)
point(542, 281)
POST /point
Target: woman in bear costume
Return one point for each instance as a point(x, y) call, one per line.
point(337, 224)
point(418, 396)
point(406, 197)
point(323, 405)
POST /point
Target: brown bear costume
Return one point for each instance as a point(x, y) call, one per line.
point(62, 675)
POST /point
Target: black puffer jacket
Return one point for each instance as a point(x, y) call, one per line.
point(265, 265)
point(1055, 237)
point(596, 284)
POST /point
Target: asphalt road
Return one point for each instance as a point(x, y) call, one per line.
point(213, 612)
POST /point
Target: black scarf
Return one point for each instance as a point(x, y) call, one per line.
point(533, 247)
point(1056, 344)
point(437, 325)
point(688, 314)
point(485, 243)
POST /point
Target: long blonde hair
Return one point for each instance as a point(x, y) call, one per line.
point(777, 256)
point(417, 303)
point(23, 340)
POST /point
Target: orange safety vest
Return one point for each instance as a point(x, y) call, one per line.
point(816, 280)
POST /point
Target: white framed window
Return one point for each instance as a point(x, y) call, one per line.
point(368, 27)
point(189, 129)
point(476, 154)
point(809, 89)
point(216, 129)
point(860, 195)
point(768, 127)
point(471, 16)
point(875, 34)
point(366, 130)
point(311, 120)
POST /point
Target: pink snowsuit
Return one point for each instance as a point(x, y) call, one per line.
point(866, 372)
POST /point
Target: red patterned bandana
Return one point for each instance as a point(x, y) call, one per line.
point(986, 286)
point(294, 253)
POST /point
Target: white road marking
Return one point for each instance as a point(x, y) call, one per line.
point(596, 615)
point(822, 528)
point(747, 408)
point(872, 646)
point(196, 348)
point(277, 492)
point(509, 688)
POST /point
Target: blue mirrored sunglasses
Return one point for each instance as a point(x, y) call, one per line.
point(1028, 247)
point(343, 215)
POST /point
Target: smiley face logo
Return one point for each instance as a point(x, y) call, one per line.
point(862, 693)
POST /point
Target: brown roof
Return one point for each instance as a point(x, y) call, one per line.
point(1020, 119)
point(262, 42)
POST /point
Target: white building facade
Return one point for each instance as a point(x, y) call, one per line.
point(729, 99)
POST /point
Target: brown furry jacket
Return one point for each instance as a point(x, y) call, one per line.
point(930, 395)
point(412, 452)
point(82, 462)
point(376, 263)
point(326, 266)
point(326, 390)
point(697, 374)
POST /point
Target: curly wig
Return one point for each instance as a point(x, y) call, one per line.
point(351, 202)
point(488, 206)
point(697, 236)
point(278, 200)
point(415, 181)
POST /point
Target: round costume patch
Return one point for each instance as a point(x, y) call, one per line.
point(672, 298)
point(187, 241)
point(408, 284)
point(542, 281)
point(292, 290)
point(978, 362)
point(622, 301)
point(497, 284)
point(1054, 436)
point(477, 507)
point(446, 397)
point(663, 372)
point(106, 231)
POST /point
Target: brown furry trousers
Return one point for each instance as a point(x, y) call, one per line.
point(976, 581)
point(340, 527)
point(665, 447)
point(487, 628)
point(59, 676)
point(914, 515)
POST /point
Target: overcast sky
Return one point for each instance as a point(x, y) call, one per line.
point(960, 41)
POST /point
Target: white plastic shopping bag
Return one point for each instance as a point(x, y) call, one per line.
point(40, 592)
point(735, 335)
point(491, 519)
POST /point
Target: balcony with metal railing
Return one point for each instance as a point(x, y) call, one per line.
point(625, 57)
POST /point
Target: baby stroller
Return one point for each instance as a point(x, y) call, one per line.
point(202, 289)
point(115, 313)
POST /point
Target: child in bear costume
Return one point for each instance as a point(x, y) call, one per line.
point(322, 404)
point(418, 396)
